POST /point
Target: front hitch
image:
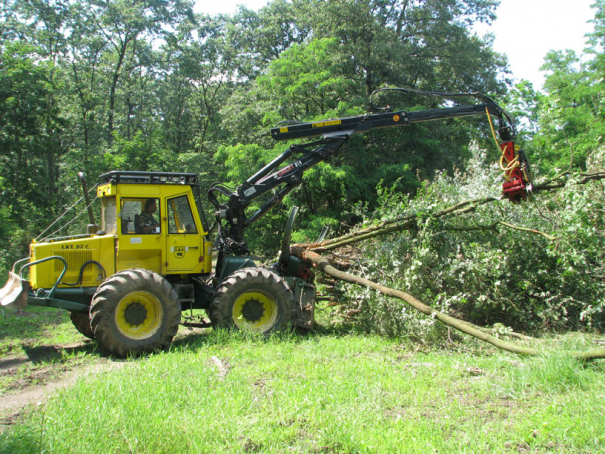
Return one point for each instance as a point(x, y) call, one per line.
point(17, 293)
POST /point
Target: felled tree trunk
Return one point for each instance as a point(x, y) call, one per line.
point(409, 222)
point(302, 252)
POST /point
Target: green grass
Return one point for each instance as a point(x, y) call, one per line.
point(39, 345)
point(324, 393)
point(37, 326)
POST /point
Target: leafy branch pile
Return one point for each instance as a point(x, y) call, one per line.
point(531, 266)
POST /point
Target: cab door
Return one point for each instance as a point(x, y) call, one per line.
point(184, 251)
point(137, 248)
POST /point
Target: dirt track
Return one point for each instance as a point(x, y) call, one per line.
point(52, 378)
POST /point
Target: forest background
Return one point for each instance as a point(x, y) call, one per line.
point(94, 86)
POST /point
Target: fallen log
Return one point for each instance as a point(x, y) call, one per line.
point(410, 221)
point(303, 252)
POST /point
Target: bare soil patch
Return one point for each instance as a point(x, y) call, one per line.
point(34, 386)
point(44, 369)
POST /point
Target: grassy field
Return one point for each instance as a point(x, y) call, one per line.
point(318, 393)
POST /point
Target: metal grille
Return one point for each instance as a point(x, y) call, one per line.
point(75, 260)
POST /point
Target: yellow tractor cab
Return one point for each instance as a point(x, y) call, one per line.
point(148, 220)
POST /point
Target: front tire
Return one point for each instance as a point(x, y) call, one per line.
point(135, 311)
point(255, 300)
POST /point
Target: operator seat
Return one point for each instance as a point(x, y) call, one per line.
point(137, 229)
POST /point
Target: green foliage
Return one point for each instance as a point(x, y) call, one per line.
point(408, 43)
point(566, 119)
point(30, 126)
point(498, 275)
point(309, 79)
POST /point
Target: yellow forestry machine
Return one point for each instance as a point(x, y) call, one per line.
point(126, 281)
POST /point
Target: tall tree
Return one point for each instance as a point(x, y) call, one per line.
point(124, 25)
point(42, 26)
point(424, 44)
point(198, 73)
point(29, 124)
point(571, 113)
point(260, 37)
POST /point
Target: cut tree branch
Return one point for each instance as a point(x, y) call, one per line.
point(320, 262)
point(410, 221)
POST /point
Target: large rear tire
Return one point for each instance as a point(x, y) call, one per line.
point(82, 324)
point(135, 311)
point(254, 300)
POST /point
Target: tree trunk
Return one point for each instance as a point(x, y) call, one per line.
point(465, 327)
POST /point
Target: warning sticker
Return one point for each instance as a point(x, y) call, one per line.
point(323, 124)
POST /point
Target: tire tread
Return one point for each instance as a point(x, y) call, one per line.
point(110, 292)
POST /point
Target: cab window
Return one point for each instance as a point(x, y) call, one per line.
point(180, 217)
point(140, 216)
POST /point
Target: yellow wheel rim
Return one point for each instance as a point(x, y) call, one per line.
point(139, 315)
point(255, 311)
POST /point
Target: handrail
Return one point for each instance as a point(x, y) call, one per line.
point(52, 257)
point(19, 261)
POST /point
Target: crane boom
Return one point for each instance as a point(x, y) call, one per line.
point(366, 123)
point(333, 134)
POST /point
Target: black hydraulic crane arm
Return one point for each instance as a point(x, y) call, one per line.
point(265, 180)
point(333, 134)
point(366, 123)
point(388, 118)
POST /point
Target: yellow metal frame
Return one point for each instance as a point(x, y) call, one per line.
point(76, 252)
